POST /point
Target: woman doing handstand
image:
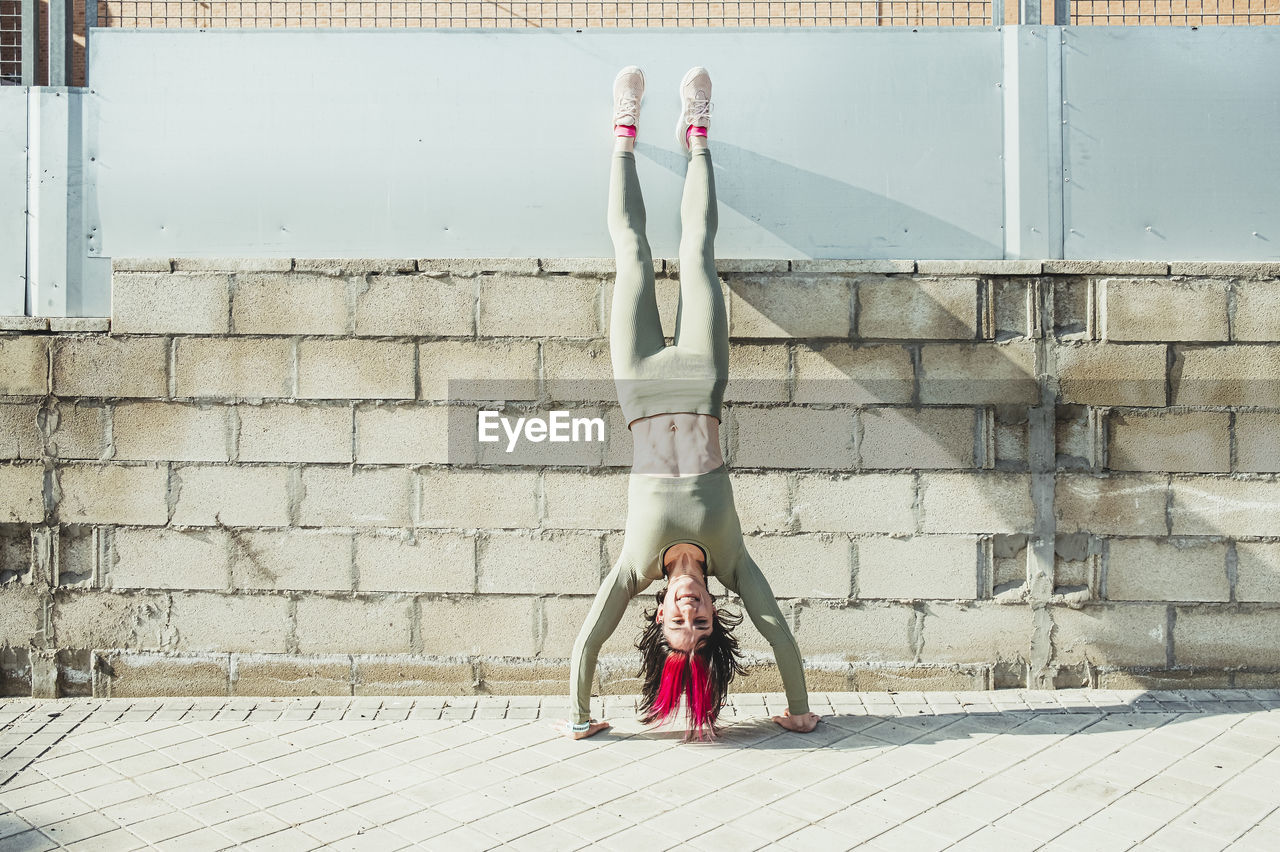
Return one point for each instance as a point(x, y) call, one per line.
point(681, 520)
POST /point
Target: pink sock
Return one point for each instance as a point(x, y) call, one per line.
point(624, 130)
point(694, 130)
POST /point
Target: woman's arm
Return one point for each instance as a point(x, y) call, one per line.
point(762, 607)
point(606, 612)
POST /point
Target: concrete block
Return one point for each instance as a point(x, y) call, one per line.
point(1242, 374)
point(415, 306)
point(212, 621)
point(76, 429)
point(385, 624)
point(311, 560)
point(464, 626)
point(1257, 313)
point(1210, 505)
point(125, 675)
point(1167, 679)
point(788, 306)
point(842, 373)
point(278, 675)
point(875, 632)
point(1074, 315)
point(1194, 441)
point(487, 499)
point(22, 493)
point(79, 325)
point(355, 265)
point(758, 373)
point(1106, 374)
point(1226, 638)
point(913, 438)
point(1010, 423)
point(918, 308)
point(290, 303)
point(978, 267)
point(1163, 570)
point(477, 265)
point(985, 632)
point(20, 436)
point(921, 567)
point(576, 370)
point(101, 618)
point(376, 497)
point(113, 494)
point(295, 433)
point(976, 502)
point(1160, 309)
point(21, 614)
point(1011, 311)
point(355, 369)
point(762, 501)
point(1226, 269)
point(166, 303)
point(745, 264)
point(24, 365)
point(110, 367)
point(862, 502)
point(405, 434)
point(793, 438)
point(141, 264)
point(1258, 441)
point(1125, 635)
point(170, 431)
point(539, 563)
point(588, 501)
point(1105, 267)
point(238, 496)
point(11, 323)
point(233, 367)
point(424, 562)
point(971, 373)
point(169, 559)
point(804, 566)
point(562, 618)
point(593, 266)
point(1120, 504)
point(478, 370)
point(533, 677)
point(1258, 571)
point(518, 306)
point(853, 266)
point(874, 678)
point(402, 675)
point(232, 264)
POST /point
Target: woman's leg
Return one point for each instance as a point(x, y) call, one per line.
point(635, 331)
point(702, 326)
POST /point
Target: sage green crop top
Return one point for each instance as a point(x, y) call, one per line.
point(662, 511)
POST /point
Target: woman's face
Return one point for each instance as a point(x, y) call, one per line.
point(686, 609)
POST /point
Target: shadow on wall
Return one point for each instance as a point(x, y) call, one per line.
point(795, 205)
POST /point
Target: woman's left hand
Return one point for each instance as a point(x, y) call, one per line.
point(802, 724)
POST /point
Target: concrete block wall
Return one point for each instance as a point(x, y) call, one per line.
point(954, 474)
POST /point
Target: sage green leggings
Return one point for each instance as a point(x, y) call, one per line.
point(653, 378)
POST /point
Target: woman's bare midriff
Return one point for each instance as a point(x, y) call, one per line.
point(683, 444)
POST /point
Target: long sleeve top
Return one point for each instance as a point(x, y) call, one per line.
point(661, 512)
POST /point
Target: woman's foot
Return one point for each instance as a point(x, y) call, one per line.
point(628, 90)
point(695, 114)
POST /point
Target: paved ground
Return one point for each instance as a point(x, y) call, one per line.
point(1008, 770)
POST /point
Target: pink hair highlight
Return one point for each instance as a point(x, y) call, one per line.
point(686, 676)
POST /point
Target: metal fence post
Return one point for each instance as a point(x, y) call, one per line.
point(997, 13)
point(61, 23)
point(1029, 12)
point(90, 21)
point(30, 41)
point(1061, 12)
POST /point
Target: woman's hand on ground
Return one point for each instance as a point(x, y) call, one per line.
point(565, 728)
point(802, 724)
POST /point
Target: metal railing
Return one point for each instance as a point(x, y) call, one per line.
point(28, 59)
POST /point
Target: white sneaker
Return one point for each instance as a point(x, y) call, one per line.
point(695, 95)
point(628, 90)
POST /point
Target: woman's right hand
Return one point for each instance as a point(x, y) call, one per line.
point(565, 728)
